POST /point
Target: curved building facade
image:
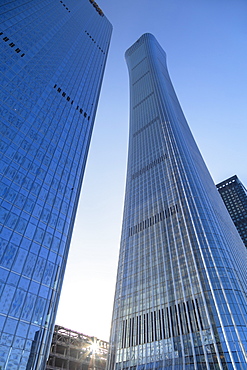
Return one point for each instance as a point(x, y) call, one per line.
point(53, 55)
point(180, 300)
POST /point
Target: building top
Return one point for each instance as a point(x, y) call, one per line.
point(234, 195)
point(96, 6)
point(132, 48)
point(228, 181)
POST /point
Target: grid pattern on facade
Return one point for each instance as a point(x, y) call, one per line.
point(51, 75)
point(149, 166)
point(181, 273)
point(158, 217)
point(184, 317)
point(234, 195)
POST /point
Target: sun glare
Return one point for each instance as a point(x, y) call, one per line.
point(94, 347)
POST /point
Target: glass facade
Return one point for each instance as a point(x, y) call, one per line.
point(180, 300)
point(53, 55)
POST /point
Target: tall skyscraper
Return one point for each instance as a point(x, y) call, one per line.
point(180, 300)
point(234, 195)
point(53, 55)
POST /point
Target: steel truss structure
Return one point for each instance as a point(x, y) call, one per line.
point(72, 350)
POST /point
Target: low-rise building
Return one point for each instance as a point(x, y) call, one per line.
point(72, 350)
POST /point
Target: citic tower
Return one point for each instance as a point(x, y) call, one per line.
point(180, 300)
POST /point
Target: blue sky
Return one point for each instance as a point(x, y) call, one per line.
point(206, 48)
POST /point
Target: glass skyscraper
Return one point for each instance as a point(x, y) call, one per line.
point(180, 300)
point(234, 195)
point(53, 55)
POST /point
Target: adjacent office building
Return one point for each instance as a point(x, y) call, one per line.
point(76, 351)
point(234, 195)
point(180, 300)
point(53, 55)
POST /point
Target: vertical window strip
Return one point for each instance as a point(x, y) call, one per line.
point(148, 334)
point(123, 323)
point(193, 316)
point(124, 333)
point(192, 324)
point(152, 327)
point(176, 316)
point(140, 329)
point(186, 318)
point(194, 311)
point(129, 332)
point(155, 327)
point(189, 317)
point(160, 324)
point(181, 319)
point(164, 323)
point(172, 323)
point(168, 322)
point(137, 331)
point(199, 313)
point(158, 217)
point(144, 328)
point(132, 331)
point(147, 328)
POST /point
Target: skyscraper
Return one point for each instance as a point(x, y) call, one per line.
point(53, 55)
point(234, 195)
point(180, 300)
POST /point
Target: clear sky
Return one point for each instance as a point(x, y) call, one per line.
point(206, 46)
